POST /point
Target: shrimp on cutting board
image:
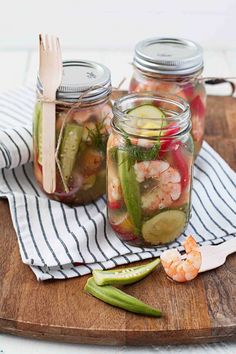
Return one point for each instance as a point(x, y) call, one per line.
point(179, 269)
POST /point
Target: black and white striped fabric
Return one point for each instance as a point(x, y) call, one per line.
point(60, 242)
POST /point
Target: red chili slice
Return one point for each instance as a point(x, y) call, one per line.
point(178, 158)
point(171, 130)
point(181, 164)
point(116, 204)
point(197, 107)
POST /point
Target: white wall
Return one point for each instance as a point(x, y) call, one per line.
point(116, 24)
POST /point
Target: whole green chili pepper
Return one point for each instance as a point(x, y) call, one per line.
point(118, 298)
point(124, 276)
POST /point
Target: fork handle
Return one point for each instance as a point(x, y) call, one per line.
point(48, 147)
point(228, 247)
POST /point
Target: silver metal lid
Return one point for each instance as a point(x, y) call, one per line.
point(171, 56)
point(80, 75)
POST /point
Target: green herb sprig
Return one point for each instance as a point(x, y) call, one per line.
point(138, 153)
point(97, 138)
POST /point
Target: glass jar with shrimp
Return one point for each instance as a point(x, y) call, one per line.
point(149, 168)
point(83, 114)
point(173, 65)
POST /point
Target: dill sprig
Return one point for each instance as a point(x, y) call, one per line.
point(97, 137)
point(137, 153)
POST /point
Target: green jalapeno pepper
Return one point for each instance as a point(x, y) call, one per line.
point(118, 298)
point(130, 189)
point(124, 276)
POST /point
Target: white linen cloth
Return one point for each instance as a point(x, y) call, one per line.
point(53, 238)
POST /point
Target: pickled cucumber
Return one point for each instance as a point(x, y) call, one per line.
point(69, 148)
point(130, 189)
point(146, 111)
point(149, 112)
point(164, 227)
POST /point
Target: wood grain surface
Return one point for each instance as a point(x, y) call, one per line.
point(200, 311)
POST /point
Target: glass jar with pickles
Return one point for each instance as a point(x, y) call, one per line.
point(172, 65)
point(83, 114)
point(149, 169)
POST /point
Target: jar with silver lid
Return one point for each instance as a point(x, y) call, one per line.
point(83, 114)
point(149, 169)
point(173, 65)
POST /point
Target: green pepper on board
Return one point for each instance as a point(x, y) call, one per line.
point(124, 276)
point(118, 298)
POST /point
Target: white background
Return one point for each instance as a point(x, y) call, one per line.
point(106, 31)
point(117, 24)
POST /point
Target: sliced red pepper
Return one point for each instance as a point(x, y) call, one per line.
point(181, 164)
point(197, 107)
point(116, 204)
point(171, 130)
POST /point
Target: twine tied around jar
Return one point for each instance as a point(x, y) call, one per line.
point(71, 106)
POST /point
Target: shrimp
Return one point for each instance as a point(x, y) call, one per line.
point(179, 269)
point(142, 142)
point(90, 161)
point(114, 191)
point(167, 184)
point(106, 119)
point(82, 115)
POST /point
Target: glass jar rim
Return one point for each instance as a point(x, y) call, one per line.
point(176, 125)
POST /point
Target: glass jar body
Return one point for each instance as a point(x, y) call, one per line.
point(148, 189)
point(81, 135)
point(191, 88)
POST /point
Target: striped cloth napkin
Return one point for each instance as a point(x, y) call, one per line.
point(60, 242)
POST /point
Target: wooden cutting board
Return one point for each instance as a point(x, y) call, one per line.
point(203, 310)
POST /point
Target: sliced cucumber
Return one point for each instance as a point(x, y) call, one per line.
point(164, 227)
point(124, 276)
point(151, 117)
point(130, 189)
point(69, 148)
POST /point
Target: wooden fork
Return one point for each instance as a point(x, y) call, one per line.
point(50, 74)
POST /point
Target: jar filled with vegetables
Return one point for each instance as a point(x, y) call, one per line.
point(83, 114)
point(172, 65)
point(149, 168)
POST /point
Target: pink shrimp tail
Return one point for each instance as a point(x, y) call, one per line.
point(182, 270)
point(190, 244)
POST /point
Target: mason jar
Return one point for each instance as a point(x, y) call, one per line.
point(173, 65)
point(149, 168)
point(83, 114)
